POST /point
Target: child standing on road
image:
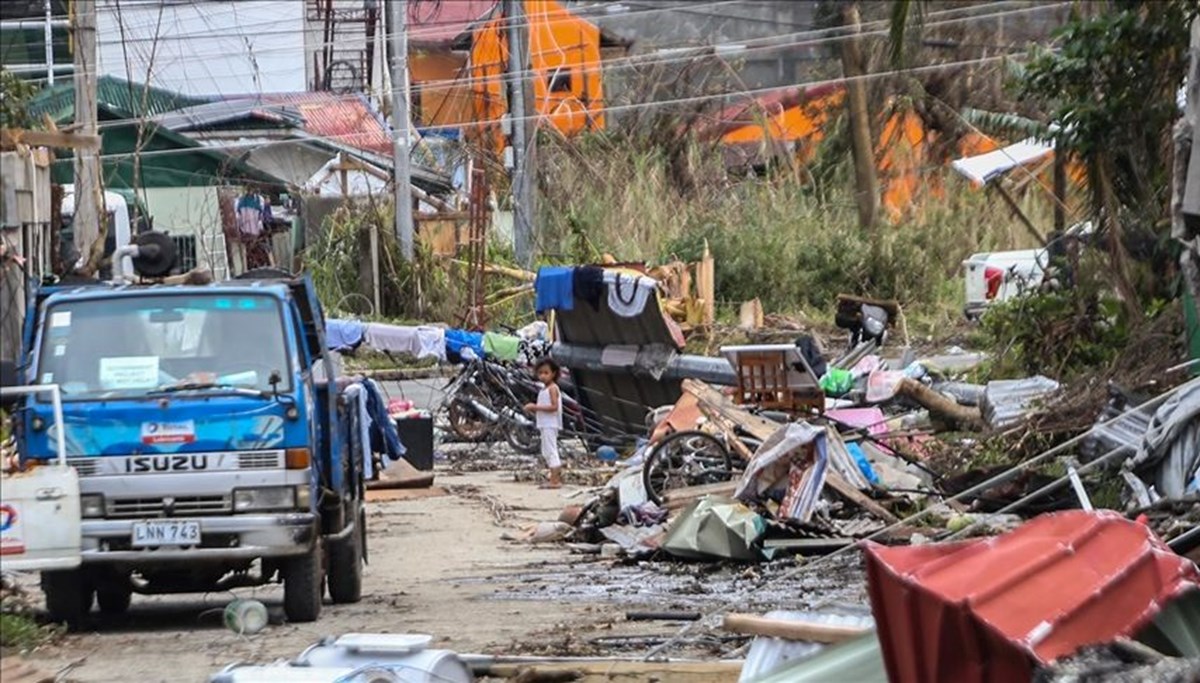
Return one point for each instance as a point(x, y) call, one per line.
point(548, 414)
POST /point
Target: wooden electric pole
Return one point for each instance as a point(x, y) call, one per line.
point(401, 148)
point(524, 132)
point(89, 199)
point(867, 185)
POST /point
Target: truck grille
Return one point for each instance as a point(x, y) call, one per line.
point(156, 507)
point(85, 467)
point(258, 460)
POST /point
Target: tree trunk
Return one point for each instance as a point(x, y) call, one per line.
point(853, 66)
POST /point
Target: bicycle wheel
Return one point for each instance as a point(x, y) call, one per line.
point(683, 459)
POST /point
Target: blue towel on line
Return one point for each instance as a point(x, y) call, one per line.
point(555, 288)
point(457, 340)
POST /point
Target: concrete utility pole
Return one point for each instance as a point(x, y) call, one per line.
point(89, 202)
point(401, 148)
point(524, 132)
point(860, 119)
point(48, 34)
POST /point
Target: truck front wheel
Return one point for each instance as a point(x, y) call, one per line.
point(303, 586)
point(114, 596)
point(69, 596)
point(346, 565)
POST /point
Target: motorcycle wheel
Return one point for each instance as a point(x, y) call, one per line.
point(525, 440)
point(466, 423)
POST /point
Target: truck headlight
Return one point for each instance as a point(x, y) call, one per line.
point(303, 496)
point(264, 498)
point(91, 505)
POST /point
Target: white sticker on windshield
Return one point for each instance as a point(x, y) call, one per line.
point(47, 378)
point(60, 319)
point(129, 372)
point(60, 349)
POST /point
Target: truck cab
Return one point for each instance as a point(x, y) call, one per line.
point(215, 446)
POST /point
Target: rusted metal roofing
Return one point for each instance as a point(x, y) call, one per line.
point(347, 119)
point(989, 610)
point(437, 24)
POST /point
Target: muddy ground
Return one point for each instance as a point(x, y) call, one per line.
point(439, 566)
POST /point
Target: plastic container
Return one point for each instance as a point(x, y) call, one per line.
point(283, 673)
point(406, 655)
point(246, 616)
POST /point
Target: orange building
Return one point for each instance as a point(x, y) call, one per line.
point(459, 57)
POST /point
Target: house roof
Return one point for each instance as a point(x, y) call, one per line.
point(748, 112)
point(349, 120)
point(225, 112)
point(448, 25)
point(438, 24)
point(123, 98)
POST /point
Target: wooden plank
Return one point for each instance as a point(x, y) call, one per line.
point(681, 498)
point(753, 625)
point(847, 491)
point(11, 137)
point(594, 672)
point(757, 427)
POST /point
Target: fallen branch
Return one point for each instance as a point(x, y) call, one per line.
point(965, 417)
point(753, 625)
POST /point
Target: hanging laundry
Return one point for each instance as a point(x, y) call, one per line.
point(418, 342)
point(344, 335)
point(502, 347)
point(628, 294)
point(459, 340)
point(554, 288)
point(589, 285)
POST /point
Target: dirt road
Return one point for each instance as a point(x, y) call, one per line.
point(438, 565)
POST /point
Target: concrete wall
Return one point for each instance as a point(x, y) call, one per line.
point(191, 211)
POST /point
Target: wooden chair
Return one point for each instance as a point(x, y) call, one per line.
point(768, 377)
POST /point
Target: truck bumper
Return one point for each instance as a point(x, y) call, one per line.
point(235, 537)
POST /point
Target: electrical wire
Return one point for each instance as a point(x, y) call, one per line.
point(665, 56)
point(608, 109)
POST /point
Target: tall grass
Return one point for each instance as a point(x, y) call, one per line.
point(787, 239)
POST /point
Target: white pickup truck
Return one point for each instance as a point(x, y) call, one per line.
point(1000, 276)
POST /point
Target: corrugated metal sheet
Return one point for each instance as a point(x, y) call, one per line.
point(768, 655)
point(212, 114)
point(859, 660)
point(987, 610)
point(123, 98)
point(439, 23)
point(1005, 402)
point(349, 120)
point(622, 399)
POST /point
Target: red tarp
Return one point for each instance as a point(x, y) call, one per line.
point(988, 610)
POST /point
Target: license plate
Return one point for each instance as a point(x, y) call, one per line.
point(146, 534)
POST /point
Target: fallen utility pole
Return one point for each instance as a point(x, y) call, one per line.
point(89, 232)
point(524, 133)
point(401, 121)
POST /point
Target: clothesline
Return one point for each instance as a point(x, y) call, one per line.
point(429, 341)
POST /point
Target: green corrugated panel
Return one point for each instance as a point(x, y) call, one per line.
point(121, 97)
point(1176, 629)
point(859, 660)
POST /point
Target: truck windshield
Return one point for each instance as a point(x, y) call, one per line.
point(131, 346)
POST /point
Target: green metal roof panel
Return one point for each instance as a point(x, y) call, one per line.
point(123, 98)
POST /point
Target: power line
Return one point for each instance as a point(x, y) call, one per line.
point(660, 60)
point(614, 108)
point(685, 54)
